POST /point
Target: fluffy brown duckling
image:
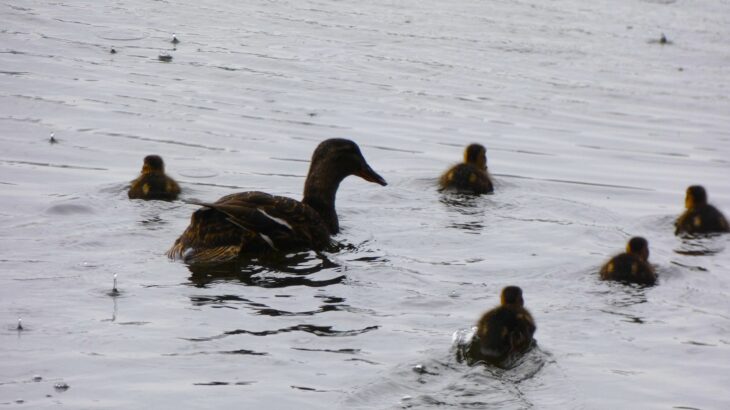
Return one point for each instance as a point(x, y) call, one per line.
point(631, 266)
point(470, 176)
point(153, 183)
point(504, 331)
point(700, 217)
point(256, 222)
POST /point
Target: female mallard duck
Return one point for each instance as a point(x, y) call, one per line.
point(153, 183)
point(255, 222)
point(504, 331)
point(632, 266)
point(700, 217)
point(471, 175)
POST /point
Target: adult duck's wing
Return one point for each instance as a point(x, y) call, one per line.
point(249, 222)
point(210, 238)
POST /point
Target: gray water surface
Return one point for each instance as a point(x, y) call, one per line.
point(593, 130)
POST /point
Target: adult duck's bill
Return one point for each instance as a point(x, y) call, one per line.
point(369, 175)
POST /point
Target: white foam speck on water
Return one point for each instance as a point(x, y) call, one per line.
point(593, 130)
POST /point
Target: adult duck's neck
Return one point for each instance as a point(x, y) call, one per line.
point(320, 190)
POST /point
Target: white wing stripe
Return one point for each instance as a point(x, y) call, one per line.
point(275, 219)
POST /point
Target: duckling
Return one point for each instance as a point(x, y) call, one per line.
point(504, 331)
point(154, 183)
point(700, 217)
point(256, 222)
point(471, 175)
point(632, 266)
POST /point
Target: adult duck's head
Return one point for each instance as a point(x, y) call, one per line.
point(334, 160)
point(638, 246)
point(153, 163)
point(696, 196)
point(476, 154)
point(512, 295)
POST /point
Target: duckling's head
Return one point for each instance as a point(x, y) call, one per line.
point(512, 295)
point(696, 196)
point(638, 246)
point(476, 154)
point(340, 158)
point(153, 163)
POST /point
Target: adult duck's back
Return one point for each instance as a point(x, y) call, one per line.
point(249, 222)
point(256, 222)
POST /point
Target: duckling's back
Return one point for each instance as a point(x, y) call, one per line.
point(154, 185)
point(505, 330)
point(700, 220)
point(628, 268)
point(467, 178)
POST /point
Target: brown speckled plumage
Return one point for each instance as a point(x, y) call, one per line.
point(631, 266)
point(255, 222)
point(503, 332)
point(470, 176)
point(699, 216)
point(153, 183)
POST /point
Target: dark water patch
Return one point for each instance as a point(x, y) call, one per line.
point(244, 352)
point(623, 295)
point(357, 359)
point(227, 302)
point(215, 383)
point(309, 389)
point(339, 351)
point(273, 270)
point(153, 222)
point(70, 209)
point(700, 245)
point(322, 331)
point(626, 317)
point(14, 73)
point(219, 301)
point(695, 343)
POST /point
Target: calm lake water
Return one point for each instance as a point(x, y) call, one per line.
point(593, 129)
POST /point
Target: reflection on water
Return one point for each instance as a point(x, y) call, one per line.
point(621, 296)
point(323, 331)
point(701, 245)
point(331, 304)
point(470, 208)
point(271, 270)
